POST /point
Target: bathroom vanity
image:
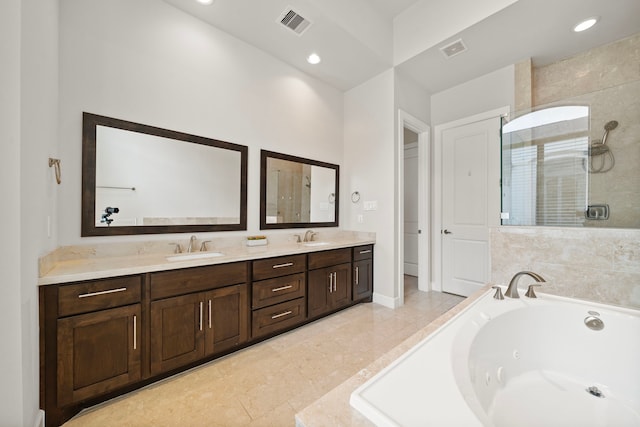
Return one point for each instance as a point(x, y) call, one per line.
point(108, 333)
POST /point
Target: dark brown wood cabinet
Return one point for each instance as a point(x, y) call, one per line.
point(329, 281)
point(278, 294)
point(98, 352)
point(177, 334)
point(186, 328)
point(362, 272)
point(101, 338)
point(227, 318)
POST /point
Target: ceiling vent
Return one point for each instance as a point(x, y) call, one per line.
point(294, 21)
point(453, 49)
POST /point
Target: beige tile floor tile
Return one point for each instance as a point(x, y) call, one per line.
point(266, 384)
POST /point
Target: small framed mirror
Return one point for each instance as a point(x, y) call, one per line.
point(297, 192)
point(139, 179)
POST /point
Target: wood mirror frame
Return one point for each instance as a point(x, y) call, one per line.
point(89, 145)
point(334, 193)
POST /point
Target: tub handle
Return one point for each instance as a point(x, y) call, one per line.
point(498, 294)
point(530, 292)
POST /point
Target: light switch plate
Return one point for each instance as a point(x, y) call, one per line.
point(370, 205)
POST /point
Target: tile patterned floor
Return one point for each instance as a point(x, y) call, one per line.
point(266, 384)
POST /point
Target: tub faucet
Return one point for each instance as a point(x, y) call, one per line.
point(512, 290)
point(192, 242)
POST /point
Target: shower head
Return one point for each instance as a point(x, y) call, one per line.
point(609, 126)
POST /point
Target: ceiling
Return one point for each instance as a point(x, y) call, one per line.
point(355, 37)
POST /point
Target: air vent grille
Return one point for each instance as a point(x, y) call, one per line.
point(294, 21)
point(453, 49)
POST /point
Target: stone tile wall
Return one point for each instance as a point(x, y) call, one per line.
point(600, 265)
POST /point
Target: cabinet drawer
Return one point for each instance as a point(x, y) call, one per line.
point(362, 252)
point(180, 282)
point(276, 317)
point(328, 258)
point(279, 289)
point(280, 266)
point(98, 295)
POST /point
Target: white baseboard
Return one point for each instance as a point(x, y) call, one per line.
point(386, 301)
point(39, 419)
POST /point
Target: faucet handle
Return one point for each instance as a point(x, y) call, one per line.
point(178, 249)
point(498, 294)
point(298, 239)
point(530, 292)
point(203, 246)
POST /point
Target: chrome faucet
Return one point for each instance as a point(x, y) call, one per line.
point(512, 290)
point(192, 242)
point(309, 235)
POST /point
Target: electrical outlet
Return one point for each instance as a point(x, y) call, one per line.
point(360, 218)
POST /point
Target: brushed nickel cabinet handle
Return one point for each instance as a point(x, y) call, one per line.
point(135, 332)
point(286, 313)
point(201, 309)
point(335, 281)
point(286, 264)
point(209, 314)
point(357, 275)
point(95, 294)
point(282, 288)
point(330, 283)
point(368, 251)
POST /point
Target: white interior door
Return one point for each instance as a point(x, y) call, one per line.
point(470, 203)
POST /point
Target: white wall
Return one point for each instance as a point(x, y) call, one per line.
point(148, 62)
point(28, 114)
point(412, 98)
point(485, 93)
point(11, 387)
point(371, 153)
point(39, 131)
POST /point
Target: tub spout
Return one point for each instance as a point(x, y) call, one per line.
point(512, 290)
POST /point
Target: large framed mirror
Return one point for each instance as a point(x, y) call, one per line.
point(139, 179)
point(297, 192)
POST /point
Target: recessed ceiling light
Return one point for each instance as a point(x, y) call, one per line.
point(207, 2)
point(314, 59)
point(585, 25)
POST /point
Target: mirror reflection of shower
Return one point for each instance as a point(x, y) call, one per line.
point(601, 158)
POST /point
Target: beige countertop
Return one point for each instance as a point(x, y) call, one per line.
point(334, 409)
point(76, 263)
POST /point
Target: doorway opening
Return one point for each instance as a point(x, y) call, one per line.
point(413, 172)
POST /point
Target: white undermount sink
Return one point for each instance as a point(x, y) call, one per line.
point(197, 255)
point(316, 243)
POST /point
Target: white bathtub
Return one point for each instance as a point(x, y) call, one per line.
point(515, 362)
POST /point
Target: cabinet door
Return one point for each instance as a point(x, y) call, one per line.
point(98, 352)
point(227, 318)
point(362, 279)
point(318, 295)
point(177, 331)
point(329, 288)
point(340, 294)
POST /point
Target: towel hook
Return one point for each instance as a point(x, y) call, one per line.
point(56, 166)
